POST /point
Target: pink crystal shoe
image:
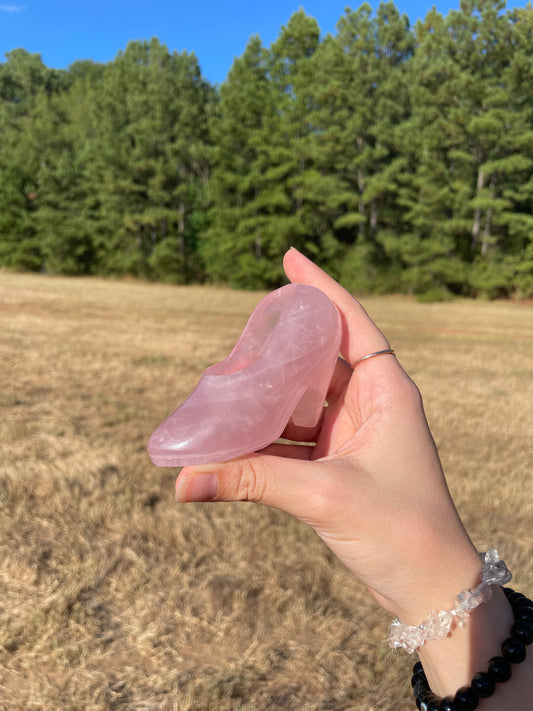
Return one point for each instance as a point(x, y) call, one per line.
point(280, 367)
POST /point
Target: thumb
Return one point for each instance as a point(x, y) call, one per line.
point(287, 484)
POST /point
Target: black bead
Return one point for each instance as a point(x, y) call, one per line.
point(428, 702)
point(465, 699)
point(417, 668)
point(523, 631)
point(514, 650)
point(421, 700)
point(499, 669)
point(420, 689)
point(482, 685)
point(512, 595)
point(419, 676)
point(525, 613)
point(432, 703)
point(447, 704)
point(522, 603)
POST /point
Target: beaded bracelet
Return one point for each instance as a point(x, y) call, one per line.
point(498, 671)
point(439, 623)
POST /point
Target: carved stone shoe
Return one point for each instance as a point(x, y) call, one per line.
point(280, 367)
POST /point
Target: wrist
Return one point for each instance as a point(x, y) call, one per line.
point(443, 573)
point(451, 662)
point(440, 623)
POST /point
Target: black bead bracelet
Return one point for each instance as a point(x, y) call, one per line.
point(498, 671)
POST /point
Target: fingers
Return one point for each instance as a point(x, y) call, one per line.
point(303, 452)
point(360, 334)
point(263, 478)
point(339, 382)
point(301, 434)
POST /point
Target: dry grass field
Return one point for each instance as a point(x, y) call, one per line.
point(114, 597)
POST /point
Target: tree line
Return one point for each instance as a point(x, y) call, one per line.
point(400, 158)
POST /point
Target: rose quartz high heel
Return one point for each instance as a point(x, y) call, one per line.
point(280, 367)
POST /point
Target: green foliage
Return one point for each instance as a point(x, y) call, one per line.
point(398, 157)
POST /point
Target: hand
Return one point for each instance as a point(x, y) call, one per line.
point(372, 487)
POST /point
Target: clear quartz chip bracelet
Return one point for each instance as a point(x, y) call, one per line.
point(440, 622)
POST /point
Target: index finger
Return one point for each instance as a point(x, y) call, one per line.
point(360, 335)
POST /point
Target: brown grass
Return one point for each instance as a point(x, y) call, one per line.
point(113, 597)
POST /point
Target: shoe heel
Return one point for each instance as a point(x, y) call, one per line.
point(309, 408)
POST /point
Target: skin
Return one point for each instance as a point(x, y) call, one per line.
point(374, 490)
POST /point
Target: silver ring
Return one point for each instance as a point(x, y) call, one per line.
point(387, 351)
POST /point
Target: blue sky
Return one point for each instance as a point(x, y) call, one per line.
point(217, 32)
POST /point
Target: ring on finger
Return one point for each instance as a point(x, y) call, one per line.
point(387, 351)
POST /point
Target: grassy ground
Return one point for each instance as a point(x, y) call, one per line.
point(113, 597)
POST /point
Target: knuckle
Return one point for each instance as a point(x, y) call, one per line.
point(250, 481)
point(415, 398)
point(325, 499)
point(329, 490)
point(409, 394)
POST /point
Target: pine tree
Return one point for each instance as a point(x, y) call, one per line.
point(150, 154)
point(501, 143)
point(23, 78)
point(233, 247)
point(372, 263)
point(437, 186)
point(62, 221)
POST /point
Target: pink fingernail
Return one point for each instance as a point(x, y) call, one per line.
point(200, 487)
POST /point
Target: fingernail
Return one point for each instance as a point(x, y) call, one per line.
point(200, 487)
